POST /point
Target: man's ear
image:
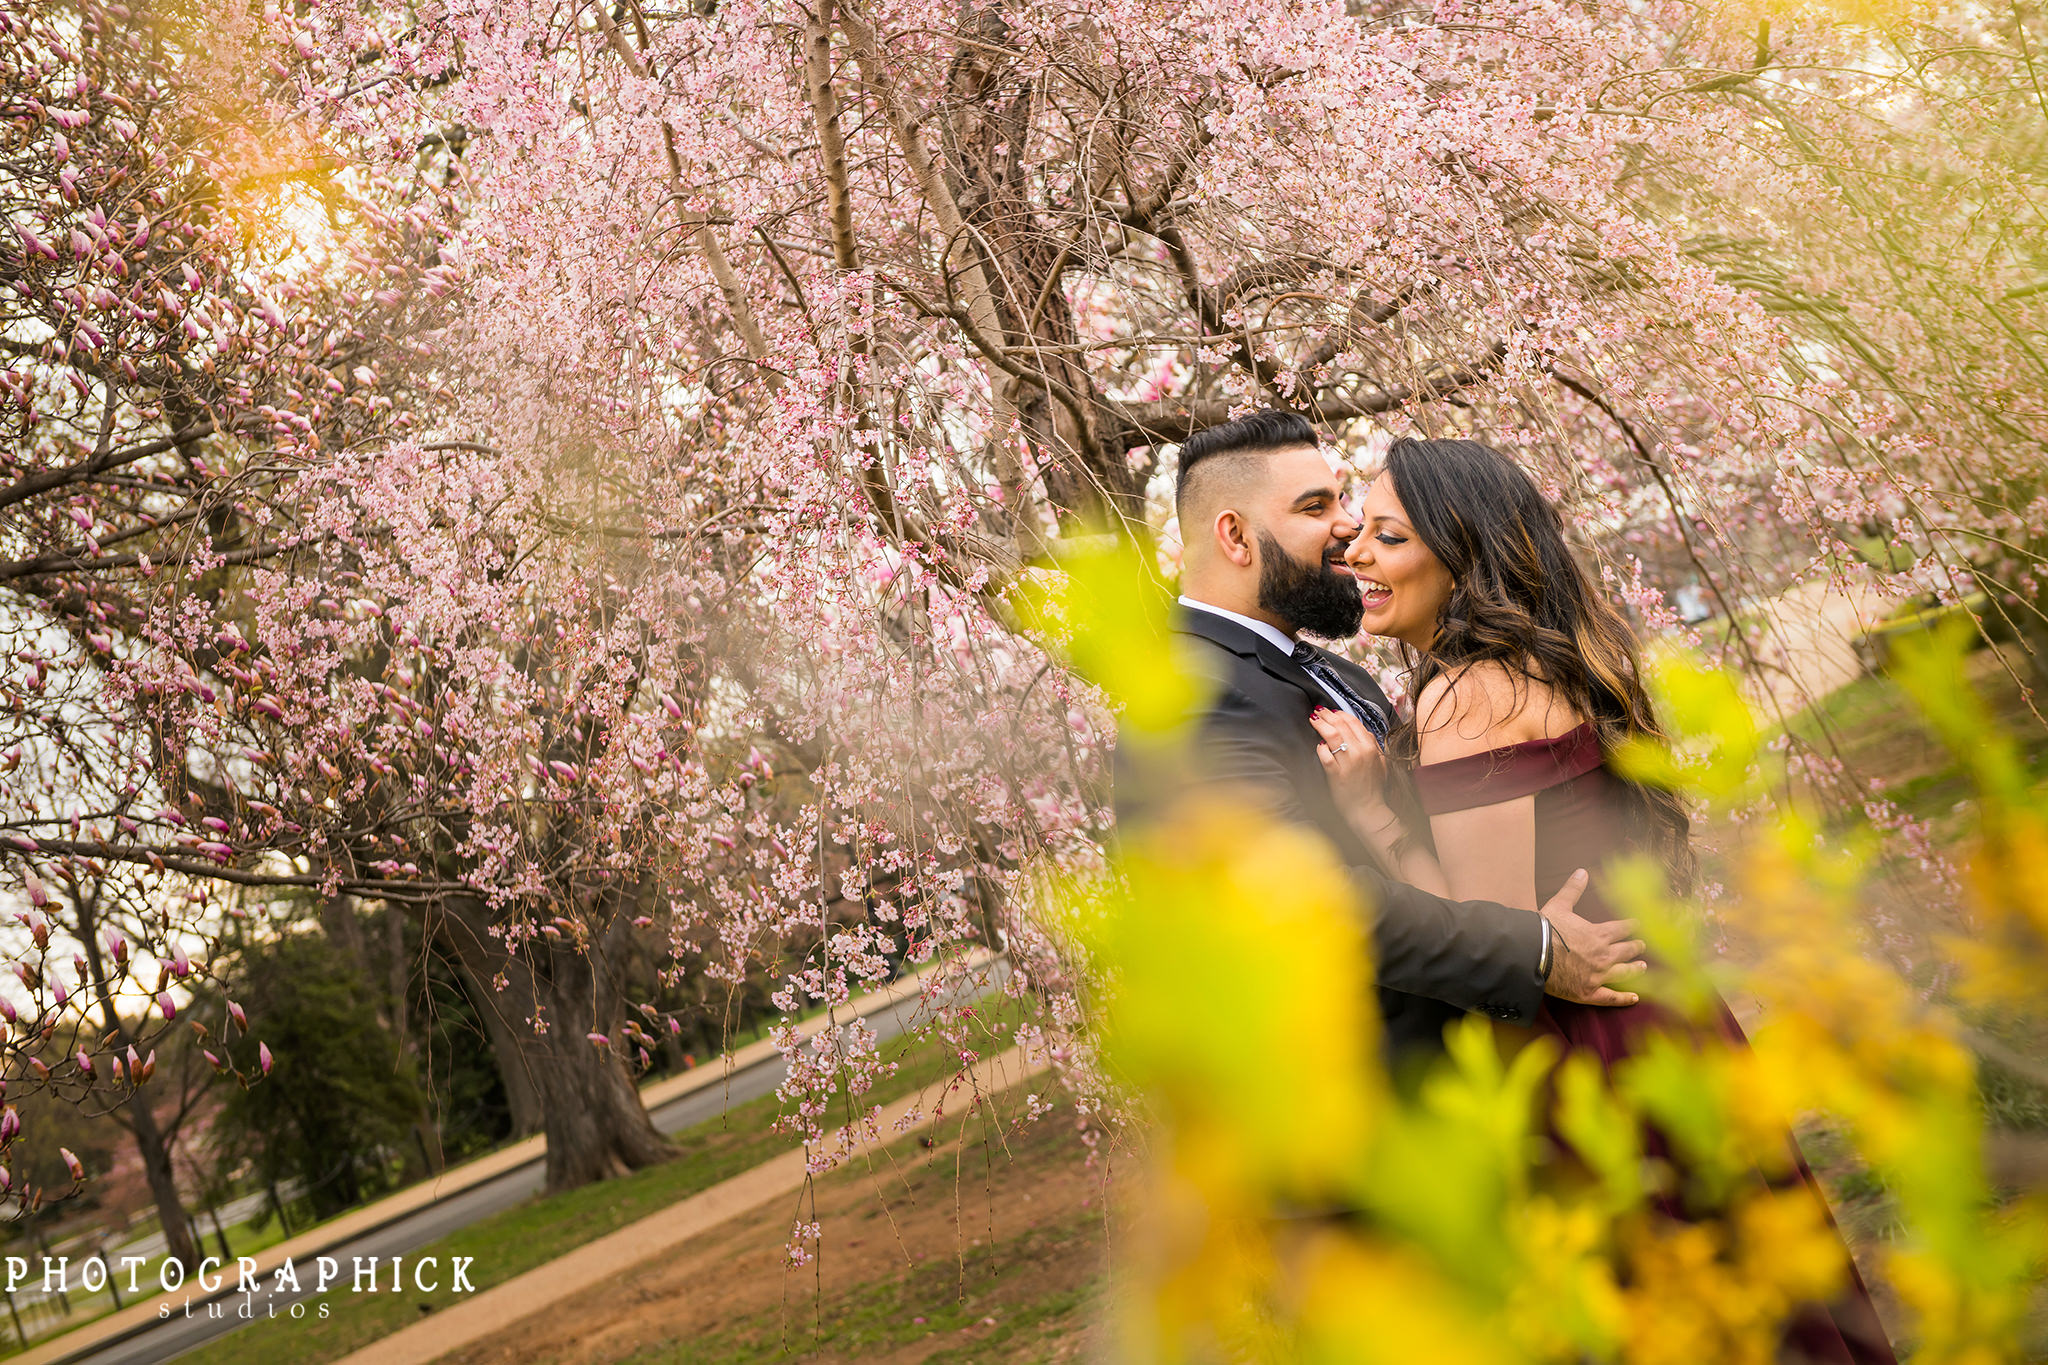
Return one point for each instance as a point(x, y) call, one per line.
point(1234, 538)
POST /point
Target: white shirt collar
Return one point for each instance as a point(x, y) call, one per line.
point(1280, 640)
point(1266, 629)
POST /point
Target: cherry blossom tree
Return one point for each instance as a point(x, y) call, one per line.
point(828, 321)
point(567, 471)
point(1878, 190)
point(885, 293)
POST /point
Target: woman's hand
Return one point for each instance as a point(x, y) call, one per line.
point(1357, 768)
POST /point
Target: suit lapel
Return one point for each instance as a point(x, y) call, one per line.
point(1250, 645)
point(1312, 788)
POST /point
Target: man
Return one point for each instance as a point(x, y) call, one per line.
point(1264, 531)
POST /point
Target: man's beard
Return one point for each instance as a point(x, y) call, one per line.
point(1313, 599)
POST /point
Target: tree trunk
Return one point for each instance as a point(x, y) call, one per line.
point(596, 1126)
point(426, 1130)
point(284, 1219)
point(338, 920)
point(226, 1253)
point(986, 115)
point(180, 1241)
point(478, 959)
point(398, 975)
point(153, 1144)
point(583, 1096)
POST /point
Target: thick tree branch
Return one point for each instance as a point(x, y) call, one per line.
point(64, 563)
point(831, 142)
point(170, 858)
point(1209, 305)
point(33, 485)
point(1175, 420)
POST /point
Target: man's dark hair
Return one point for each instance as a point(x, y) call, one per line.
point(1268, 429)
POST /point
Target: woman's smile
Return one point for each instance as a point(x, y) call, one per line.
point(1400, 583)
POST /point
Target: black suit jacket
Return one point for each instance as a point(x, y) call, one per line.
point(1437, 959)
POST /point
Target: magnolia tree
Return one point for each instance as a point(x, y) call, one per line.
point(281, 644)
point(169, 356)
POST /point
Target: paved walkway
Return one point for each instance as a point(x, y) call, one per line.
point(603, 1261)
point(234, 1212)
point(1810, 650)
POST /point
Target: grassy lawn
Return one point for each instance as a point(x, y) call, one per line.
point(1874, 728)
point(884, 1322)
point(964, 1304)
point(545, 1227)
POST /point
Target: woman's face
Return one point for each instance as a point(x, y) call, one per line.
point(1405, 586)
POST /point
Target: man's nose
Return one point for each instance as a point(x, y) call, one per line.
point(1347, 527)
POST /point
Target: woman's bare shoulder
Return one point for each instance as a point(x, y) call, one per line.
point(1486, 705)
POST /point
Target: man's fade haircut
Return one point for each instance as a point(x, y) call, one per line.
point(1267, 429)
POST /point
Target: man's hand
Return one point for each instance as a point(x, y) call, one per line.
point(1588, 959)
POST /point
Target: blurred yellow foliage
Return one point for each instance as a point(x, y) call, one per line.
point(1112, 618)
point(1243, 1011)
point(1375, 1304)
point(1721, 1291)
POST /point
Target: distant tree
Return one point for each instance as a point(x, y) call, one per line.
point(341, 1095)
point(466, 1089)
point(154, 1099)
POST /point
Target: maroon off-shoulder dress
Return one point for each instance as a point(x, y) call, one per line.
point(1585, 818)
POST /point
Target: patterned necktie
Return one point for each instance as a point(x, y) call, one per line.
point(1316, 666)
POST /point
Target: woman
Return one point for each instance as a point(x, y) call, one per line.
point(1525, 678)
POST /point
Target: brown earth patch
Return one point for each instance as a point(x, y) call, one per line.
point(990, 1245)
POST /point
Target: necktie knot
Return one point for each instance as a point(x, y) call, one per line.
point(1313, 663)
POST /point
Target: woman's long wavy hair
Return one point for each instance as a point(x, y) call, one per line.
point(1520, 598)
